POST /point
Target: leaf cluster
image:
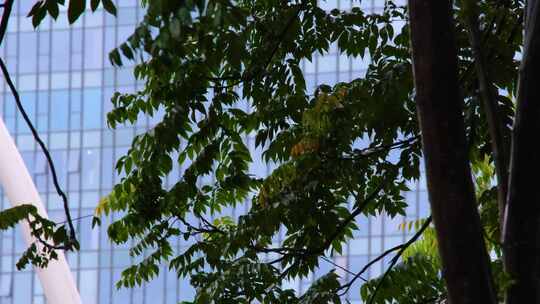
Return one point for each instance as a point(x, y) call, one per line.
point(48, 236)
point(42, 8)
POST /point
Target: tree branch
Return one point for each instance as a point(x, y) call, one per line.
point(341, 267)
point(497, 130)
point(401, 248)
point(395, 259)
point(374, 150)
point(5, 18)
point(73, 238)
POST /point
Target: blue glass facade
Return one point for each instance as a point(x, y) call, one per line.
point(65, 81)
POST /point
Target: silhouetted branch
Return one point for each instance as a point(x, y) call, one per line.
point(73, 239)
point(395, 259)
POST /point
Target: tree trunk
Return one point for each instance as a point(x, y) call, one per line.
point(465, 261)
point(521, 233)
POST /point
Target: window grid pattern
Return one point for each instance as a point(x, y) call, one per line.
point(66, 81)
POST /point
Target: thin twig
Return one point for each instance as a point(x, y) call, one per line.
point(76, 219)
point(395, 145)
point(341, 267)
point(395, 259)
point(347, 286)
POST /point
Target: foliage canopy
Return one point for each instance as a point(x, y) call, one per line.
point(225, 72)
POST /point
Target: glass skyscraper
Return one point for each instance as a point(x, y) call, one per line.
point(65, 80)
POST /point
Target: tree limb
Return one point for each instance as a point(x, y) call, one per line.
point(521, 233)
point(497, 131)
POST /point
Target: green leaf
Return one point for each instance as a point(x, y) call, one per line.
point(94, 4)
point(200, 5)
point(114, 58)
point(52, 7)
point(38, 15)
point(96, 221)
point(109, 7)
point(10, 217)
point(75, 9)
point(60, 235)
point(174, 28)
point(35, 9)
point(126, 50)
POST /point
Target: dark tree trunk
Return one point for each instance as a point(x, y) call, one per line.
point(521, 235)
point(451, 192)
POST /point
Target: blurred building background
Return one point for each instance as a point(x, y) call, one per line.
point(65, 80)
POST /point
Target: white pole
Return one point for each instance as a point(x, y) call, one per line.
point(56, 280)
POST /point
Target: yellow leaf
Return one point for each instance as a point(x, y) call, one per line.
point(102, 207)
